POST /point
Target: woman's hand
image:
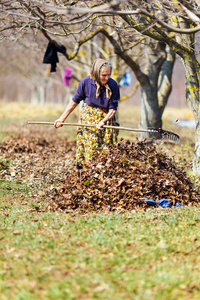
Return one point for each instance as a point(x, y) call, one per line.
point(57, 123)
point(70, 107)
point(100, 125)
point(109, 116)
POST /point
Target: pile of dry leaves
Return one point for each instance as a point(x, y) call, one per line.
point(119, 180)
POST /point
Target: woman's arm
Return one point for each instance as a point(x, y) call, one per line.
point(70, 107)
point(109, 116)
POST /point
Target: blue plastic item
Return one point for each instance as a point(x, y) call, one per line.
point(162, 202)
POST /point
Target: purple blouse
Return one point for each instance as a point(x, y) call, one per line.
point(86, 91)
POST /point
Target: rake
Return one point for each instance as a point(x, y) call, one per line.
point(163, 133)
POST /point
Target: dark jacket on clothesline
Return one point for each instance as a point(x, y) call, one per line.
point(51, 56)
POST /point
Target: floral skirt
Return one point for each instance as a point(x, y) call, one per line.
point(91, 140)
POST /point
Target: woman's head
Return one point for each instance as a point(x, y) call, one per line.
point(101, 71)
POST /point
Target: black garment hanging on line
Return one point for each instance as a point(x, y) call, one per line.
point(51, 56)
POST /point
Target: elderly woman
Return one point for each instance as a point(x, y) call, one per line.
point(100, 95)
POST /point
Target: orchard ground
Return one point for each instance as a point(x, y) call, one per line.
point(97, 255)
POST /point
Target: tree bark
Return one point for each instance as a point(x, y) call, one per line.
point(154, 95)
point(192, 75)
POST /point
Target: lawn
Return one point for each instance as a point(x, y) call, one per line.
point(152, 254)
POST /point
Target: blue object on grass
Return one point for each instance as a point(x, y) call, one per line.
point(150, 201)
point(178, 204)
point(162, 202)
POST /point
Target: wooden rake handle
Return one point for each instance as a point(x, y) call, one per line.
point(164, 133)
point(92, 125)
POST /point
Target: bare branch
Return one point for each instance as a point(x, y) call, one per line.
point(104, 9)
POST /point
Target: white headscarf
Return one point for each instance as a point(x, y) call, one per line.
point(95, 74)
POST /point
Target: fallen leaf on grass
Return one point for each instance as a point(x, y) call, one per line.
point(10, 250)
point(16, 232)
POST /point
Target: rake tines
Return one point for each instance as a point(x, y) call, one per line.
point(168, 134)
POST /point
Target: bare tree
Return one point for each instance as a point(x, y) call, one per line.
point(172, 23)
point(127, 45)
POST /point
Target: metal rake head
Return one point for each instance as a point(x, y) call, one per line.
point(167, 134)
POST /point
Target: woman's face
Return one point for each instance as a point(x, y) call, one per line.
point(105, 75)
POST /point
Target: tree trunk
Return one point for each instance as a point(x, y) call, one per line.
point(192, 88)
point(196, 158)
point(38, 94)
point(154, 96)
point(150, 115)
point(192, 68)
point(165, 80)
point(192, 84)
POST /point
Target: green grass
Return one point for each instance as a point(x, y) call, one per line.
point(100, 256)
point(134, 255)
